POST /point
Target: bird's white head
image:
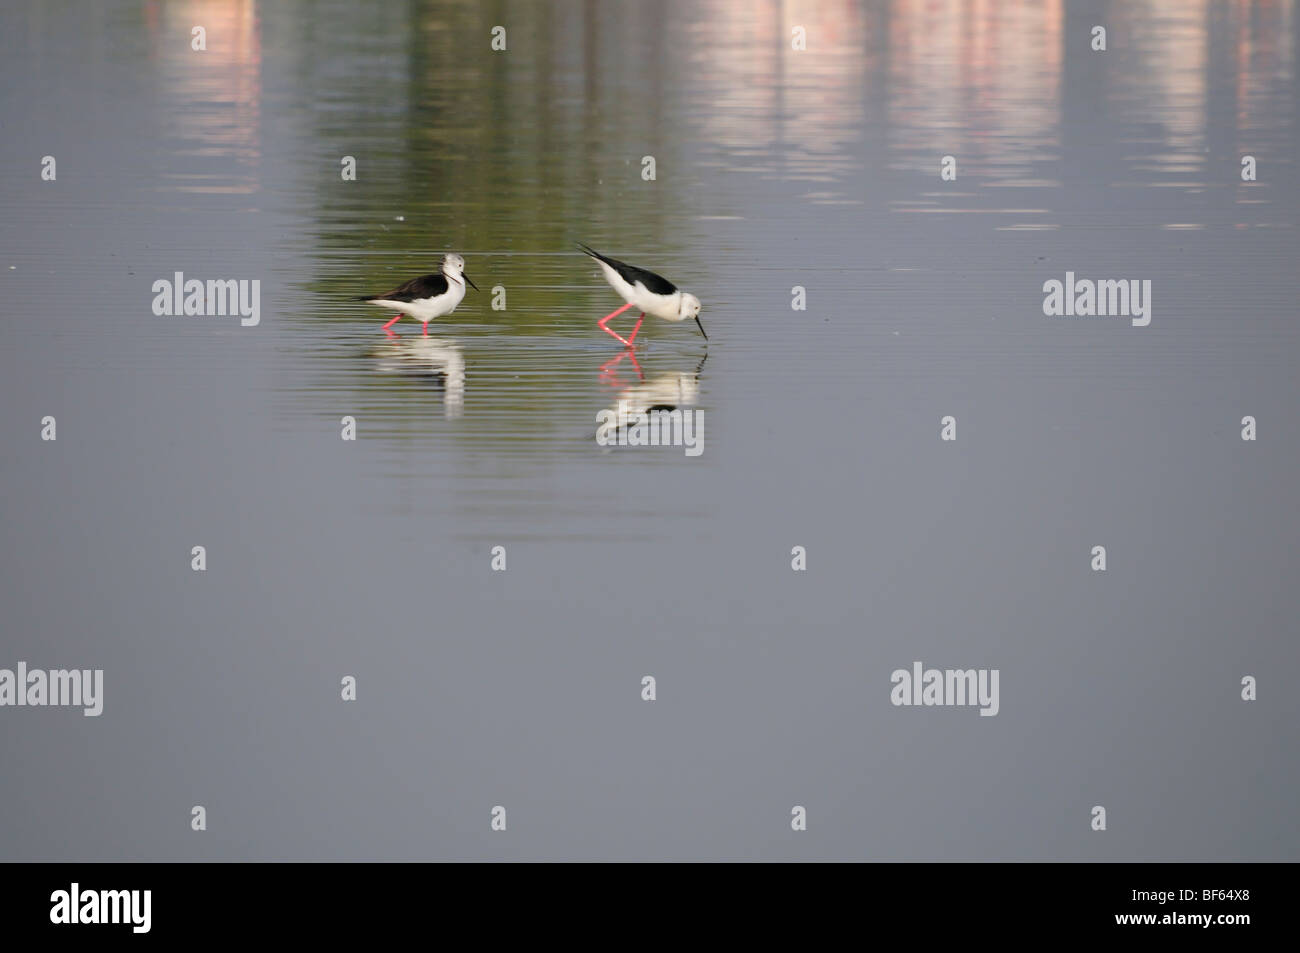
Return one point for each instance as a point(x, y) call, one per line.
point(453, 266)
point(690, 308)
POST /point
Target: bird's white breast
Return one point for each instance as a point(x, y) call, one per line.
point(454, 295)
point(426, 309)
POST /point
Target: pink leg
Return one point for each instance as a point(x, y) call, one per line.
point(639, 374)
point(634, 330)
point(609, 370)
point(426, 328)
point(601, 323)
point(396, 318)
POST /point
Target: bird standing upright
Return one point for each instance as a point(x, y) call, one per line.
point(645, 290)
point(426, 297)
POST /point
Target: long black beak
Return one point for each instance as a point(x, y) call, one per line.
point(471, 284)
point(697, 321)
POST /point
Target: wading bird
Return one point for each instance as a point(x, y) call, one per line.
point(426, 297)
point(646, 291)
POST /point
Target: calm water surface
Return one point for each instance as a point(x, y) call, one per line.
point(775, 169)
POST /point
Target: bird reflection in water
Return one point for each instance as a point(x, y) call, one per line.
point(609, 371)
point(664, 392)
point(432, 358)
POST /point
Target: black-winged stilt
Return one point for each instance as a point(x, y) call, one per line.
point(645, 290)
point(426, 297)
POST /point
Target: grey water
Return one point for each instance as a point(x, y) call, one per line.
point(774, 169)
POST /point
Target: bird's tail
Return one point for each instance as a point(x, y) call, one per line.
point(588, 250)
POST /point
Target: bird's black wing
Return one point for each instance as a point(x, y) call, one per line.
point(426, 286)
point(656, 284)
